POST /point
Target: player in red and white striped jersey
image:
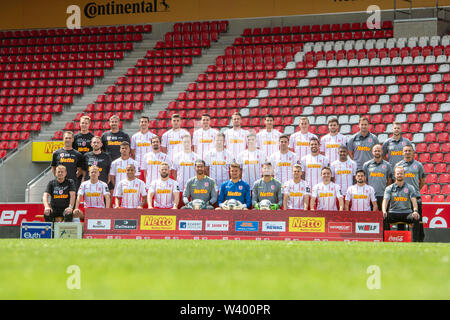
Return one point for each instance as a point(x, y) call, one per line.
point(141, 141)
point(171, 142)
point(218, 161)
point(299, 141)
point(326, 193)
point(184, 163)
point(330, 143)
point(296, 192)
point(283, 160)
point(204, 138)
point(235, 138)
point(313, 163)
point(251, 161)
point(153, 160)
point(93, 192)
point(268, 138)
point(164, 192)
point(118, 170)
point(131, 192)
point(343, 170)
point(360, 195)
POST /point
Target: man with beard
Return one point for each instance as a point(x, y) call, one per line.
point(415, 176)
point(361, 143)
point(200, 187)
point(330, 143)
point(69, 158)
point(393, 147)
point(164, 192)
point(360, 195)
point(98, 158)
point(378, 173)
point(130, 192)
point(313, 163)
point(296, 191)
point(397, 202)
point(267, 188)
point(113, 138)
point(343, 170)
point(153, 160)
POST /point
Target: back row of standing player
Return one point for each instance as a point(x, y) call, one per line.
point(344, 155)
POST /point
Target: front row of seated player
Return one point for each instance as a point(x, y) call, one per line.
point(399, 201)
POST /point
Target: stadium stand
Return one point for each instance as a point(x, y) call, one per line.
point(42, 71)
point(319, 71)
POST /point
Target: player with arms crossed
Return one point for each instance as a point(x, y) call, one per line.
point(360, 195)
point(164, 192)
point(130, 192)
point(326, 193)
point(296, 192)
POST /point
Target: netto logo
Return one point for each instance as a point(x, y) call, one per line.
point(93, 9)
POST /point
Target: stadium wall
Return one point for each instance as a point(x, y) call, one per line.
point(23, 14)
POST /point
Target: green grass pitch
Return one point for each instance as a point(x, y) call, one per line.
point(213, 269)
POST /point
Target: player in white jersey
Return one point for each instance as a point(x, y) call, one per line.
point(94, 192)
point(251, 161)
point(204, 138)
point(283, 160)
point(330, 143)
point(313, 163)
point(118, 170)
point(184, 163)
point(153, 160)
point(218, 161)
point(299, 141)
point(235, 138)
point(296, 192)
point(343, 170)
point(164, 192)
point(141, 141)
point(131, 192)
point(268, 138)
point(326, 193)
point(171, 142)
point(360, 195)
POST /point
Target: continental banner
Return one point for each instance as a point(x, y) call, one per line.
point(43, 150)
point(289, 225)
point(24, 14)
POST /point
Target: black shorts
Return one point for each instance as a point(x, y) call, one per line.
point(58, 212)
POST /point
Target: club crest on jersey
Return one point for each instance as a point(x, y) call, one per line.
point(384, 166)
point(406, 191)
point(272, 187)
point(370, 140)
point(240, 188)
point(206, 184)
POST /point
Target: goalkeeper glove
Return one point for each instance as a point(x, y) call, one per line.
point(275, 206)
point(256, 206)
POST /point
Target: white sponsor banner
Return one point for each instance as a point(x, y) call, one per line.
point(217, 225)
point(190, 225)
point(99, 224)
point(367, 227)
point(274, 226)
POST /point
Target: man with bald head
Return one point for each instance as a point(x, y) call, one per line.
point(378, 173)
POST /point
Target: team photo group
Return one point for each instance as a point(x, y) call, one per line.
point(236, 169)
